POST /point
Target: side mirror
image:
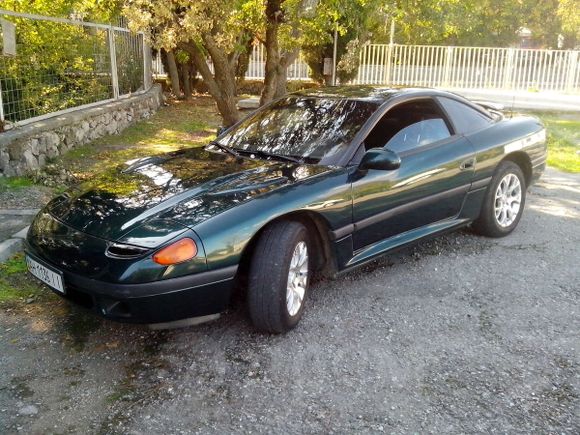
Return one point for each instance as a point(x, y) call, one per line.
point(381, 159)
point(220, 130)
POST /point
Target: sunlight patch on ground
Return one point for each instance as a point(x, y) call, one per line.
point(556, 208)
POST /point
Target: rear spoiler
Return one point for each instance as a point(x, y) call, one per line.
point(496, 107)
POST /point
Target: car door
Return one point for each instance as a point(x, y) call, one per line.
point(429, 186)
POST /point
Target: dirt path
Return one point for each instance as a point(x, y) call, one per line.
point(461, 334)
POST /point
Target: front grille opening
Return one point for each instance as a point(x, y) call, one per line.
point(122, 251)
point(114, 308)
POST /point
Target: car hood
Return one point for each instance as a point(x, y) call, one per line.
point(163, 193)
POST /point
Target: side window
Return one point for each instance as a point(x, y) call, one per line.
point(409, 125)
point(465, 118)
point(418, 134)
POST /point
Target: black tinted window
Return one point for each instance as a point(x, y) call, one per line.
point(302, 127)
point(409, 125)
point(465, 119)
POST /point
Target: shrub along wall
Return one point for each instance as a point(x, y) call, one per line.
point(254, 87)
point(27, 148)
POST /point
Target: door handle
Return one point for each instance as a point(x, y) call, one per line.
point(467, 164)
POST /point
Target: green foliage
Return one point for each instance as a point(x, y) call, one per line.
point(57, 65)
point(563, 141)
point(15, 284)
point(12, 183)
point(569, 13)
point(14, 265)
point(354, 21)
point(477, 23)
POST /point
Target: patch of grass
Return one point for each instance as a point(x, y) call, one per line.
point(15, 284)
point(12, 183)
point(563, 140)
point(14, 290)
point(16, 264)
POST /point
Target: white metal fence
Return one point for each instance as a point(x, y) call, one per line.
point(297, 70)
point(470, 67)
point(447, 66)
point(62, 65)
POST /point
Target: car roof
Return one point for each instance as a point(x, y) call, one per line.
point(381, 94)
point(376, 94)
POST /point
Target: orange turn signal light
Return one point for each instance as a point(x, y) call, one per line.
point(178, 252)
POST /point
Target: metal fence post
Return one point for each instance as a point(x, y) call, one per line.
point(114, 72)
point(508, 69)
point(448, 65)
point(147, 64)
point(389, 63)
point(1, 107)
point(570, 74)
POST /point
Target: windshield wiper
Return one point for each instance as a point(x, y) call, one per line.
point(225, 148)
point(274, 156)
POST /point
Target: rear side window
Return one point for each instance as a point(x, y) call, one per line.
point(465, 119)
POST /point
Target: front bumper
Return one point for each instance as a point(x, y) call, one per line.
point(538, 168)
point(167, 300)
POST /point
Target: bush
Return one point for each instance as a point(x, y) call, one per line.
point(254, 87)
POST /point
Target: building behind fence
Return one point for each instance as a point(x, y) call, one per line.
point(61, 65)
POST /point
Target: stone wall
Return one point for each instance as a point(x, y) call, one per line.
point(29, 147)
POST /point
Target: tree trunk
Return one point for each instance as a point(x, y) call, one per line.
point(282, 72)
point(222, 84)
point(244, 62)
point(185, 80)
point(281, 83)
point(272, 65)
point(273, 17)
point(173, 74)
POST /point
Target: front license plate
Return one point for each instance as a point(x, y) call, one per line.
point(48, 276)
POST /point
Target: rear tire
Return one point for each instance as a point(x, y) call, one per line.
point(504, 202)
point(279, 277)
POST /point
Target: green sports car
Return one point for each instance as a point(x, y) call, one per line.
point(318, 182)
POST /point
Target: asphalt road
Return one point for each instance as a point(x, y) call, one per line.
point(461, 334)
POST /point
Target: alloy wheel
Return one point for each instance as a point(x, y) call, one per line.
point(508, 198)
point(297, 279)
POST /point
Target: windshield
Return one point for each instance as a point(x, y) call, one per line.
point(301, 127)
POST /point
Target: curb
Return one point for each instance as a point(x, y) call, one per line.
point(12, 246)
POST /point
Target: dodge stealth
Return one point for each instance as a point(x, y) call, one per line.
point(318, 182)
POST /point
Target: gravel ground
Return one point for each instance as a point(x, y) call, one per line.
point(460, 334)
point(26, 197)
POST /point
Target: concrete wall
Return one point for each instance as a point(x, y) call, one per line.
point(28, 147)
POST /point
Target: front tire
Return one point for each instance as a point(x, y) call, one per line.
point(279, 277)
point(503, 203)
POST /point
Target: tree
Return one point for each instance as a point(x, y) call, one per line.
point(281, 20)
point(569, 13)
point(475, 22)
point(204, 29)
point(57, 65)
point(173, 72)
point(354, 21)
